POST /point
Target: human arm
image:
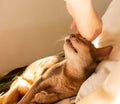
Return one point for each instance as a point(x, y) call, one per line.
point(85, 18)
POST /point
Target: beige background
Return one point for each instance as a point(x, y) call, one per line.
point(33, 29)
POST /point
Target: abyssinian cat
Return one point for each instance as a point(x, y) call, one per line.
point(57, 77)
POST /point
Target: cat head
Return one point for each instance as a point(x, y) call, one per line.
point(81, 53)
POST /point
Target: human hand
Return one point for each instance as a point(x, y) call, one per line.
point(85, 18)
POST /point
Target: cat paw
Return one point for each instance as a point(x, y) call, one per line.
point(40, 98)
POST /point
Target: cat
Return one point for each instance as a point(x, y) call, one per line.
point(55, 78)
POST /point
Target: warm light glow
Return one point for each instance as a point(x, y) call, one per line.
point(22, 82)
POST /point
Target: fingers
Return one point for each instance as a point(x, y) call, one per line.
point(73, 25)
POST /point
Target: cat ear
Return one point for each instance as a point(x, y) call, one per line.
point(103, 53)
